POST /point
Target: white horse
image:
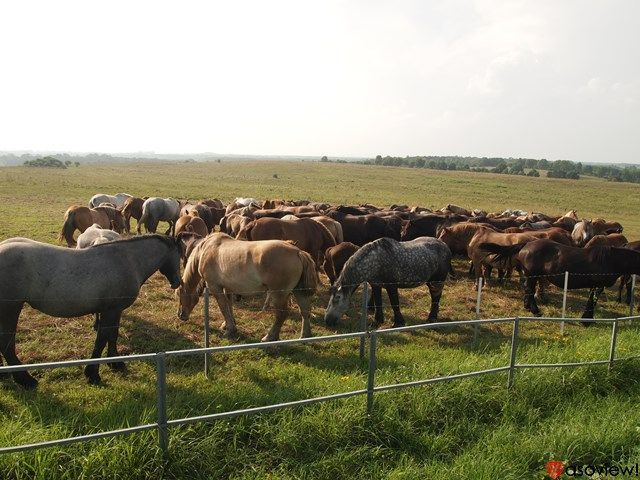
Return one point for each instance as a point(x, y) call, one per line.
point(117, 200)
point(246, 201)
point(95, 235)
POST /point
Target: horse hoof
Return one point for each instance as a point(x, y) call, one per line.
point(94, 380)
point(267, 338)
point(27, 382)
point(397, 325)
point(118, 366)
point(231, 334)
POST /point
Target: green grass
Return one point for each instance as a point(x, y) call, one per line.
point(473, 428)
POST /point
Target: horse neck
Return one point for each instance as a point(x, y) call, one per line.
point(191, 277)
point(352, 274)
point(148, 254)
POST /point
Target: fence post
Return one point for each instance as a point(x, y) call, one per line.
point(514, 348)
point(564, 301)
point(207, 331)
point(478, 300)
point(614, 339)
point(633, 291)
point(161, 402)
point(372, 370)
point(363, 316)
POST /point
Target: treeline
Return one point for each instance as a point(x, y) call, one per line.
point(50, 162)
point(511, 166)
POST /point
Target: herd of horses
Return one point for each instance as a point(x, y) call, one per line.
point(280, 248)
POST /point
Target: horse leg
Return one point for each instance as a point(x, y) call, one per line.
point(112, 326)
point(226, 308)
point(304, 305)
point(590, 307)
point(281, 305)
point(541, 293)
point(435, 290)
point(91, 371)
point(398, 319)
point(376, 294)
point(8, 324)
point(471, 269)
point(529, 296)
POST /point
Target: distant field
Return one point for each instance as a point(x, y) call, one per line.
point(466, 429)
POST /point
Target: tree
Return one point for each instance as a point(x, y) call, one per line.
point(77, 164)
point(533, 173)
point(324, 159)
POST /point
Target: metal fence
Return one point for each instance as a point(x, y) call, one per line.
point(163, 423)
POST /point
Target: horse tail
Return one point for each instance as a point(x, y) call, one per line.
point(327, 237)
point(68, 227)
point(309, 280)
point(143, 218)
point(502, 251)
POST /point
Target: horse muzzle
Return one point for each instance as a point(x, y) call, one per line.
point(175, 283)
point(183, 314)
point(331, 320)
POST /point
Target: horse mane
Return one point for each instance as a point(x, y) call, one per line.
point(167, 240)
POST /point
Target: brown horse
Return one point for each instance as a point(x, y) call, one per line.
point(335, 258)
point(361, 229)
point(78, 217)
point(230, 266)
point(310, 236)
point(233, 223)
point(485, 235)
point(132, 208)
point(594, 268)
point(611, 240)
point(188, 223)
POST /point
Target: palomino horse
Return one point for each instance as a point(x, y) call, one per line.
point(230, 266)
point(61, 282)
point(188, 223)
point(95, 235)
point(80, 218)
point(156, 209)
point(582, 232)
point(118, 199)
point(594, 267)
point(389, 263)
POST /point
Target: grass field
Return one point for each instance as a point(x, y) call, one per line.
point(472, 428)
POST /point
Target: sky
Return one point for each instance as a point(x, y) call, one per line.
point(555, 79)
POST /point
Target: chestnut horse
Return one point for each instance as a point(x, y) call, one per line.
point(80, 218)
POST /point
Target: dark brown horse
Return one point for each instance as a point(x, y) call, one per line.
point(362, 229)
point(427, 225)
point(594, 268)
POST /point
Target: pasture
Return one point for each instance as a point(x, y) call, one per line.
point(472, 428)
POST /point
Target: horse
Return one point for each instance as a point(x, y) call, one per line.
point(156, 209)
point(625, 281)
point(594, 268)
point(334, 227)
point(427, 225)
point(230, 266)
point(200, 210)
point(362, 229)
point(387, 262)
point(95, 235)
point(188, 223)
point(602, 227)
point(62, 282)
point(118, 199)
point(213, 203)
point(612, 240)
point(310, 236)
point(80, 218)
point(233, 223)
point(582, 232)
point(478, 255)
point(132, 208)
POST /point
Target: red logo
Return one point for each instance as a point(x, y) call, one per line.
point(555, 468)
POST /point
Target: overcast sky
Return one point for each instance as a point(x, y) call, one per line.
point(544, 79)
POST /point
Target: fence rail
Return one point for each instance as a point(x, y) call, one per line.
point(163, 423)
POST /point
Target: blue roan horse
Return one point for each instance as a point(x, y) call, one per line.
point(103, 279)
point(391, 264)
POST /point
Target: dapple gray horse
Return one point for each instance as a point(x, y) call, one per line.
point(117, 200)
point(65, 282)
point(391, 264)
point(95, 235)
point(156, 209)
